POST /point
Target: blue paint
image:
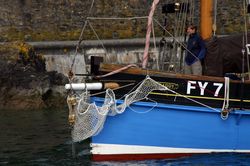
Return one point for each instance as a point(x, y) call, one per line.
point(168, 125)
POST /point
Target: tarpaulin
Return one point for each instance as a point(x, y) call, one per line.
point(224, 55)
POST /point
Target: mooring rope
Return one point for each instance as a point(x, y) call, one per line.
point(149, 28)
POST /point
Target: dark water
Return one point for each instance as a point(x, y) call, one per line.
point(43, 138)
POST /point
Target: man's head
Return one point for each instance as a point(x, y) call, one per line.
point(191, 29)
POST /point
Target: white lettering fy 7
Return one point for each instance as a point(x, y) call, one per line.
point(201, 86)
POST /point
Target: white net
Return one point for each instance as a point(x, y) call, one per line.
point(90, 118)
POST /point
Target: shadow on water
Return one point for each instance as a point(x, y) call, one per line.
point(39, 138)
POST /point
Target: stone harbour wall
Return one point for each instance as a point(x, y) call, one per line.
point(49, 20)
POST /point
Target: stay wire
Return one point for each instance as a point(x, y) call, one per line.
point(80, 37)
point(175, 39)
point(246, 36)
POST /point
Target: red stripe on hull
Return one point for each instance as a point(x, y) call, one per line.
point(126, 157)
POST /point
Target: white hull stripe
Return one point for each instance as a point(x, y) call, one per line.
point(134, 149)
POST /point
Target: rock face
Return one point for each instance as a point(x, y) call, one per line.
point(24, 83)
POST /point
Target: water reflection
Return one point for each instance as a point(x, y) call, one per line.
point(37, 137)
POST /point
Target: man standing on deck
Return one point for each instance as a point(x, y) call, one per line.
point(195, 52)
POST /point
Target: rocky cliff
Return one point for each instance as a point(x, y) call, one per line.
point(24, 83)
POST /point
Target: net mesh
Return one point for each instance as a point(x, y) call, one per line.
point(90, 118)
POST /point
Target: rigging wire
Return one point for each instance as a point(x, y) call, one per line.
point(177, 40)
point(155, 49)
point(185, 17)
point(78, 45)
point(95, 33)
point(182, 15)
point(245, 20)
point(246, 36)
point(191, 13)
point(105, 50)
point(215, 18)
point(70, 74)
point(183, 31)
point(81, 39)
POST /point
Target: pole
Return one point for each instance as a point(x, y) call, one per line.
point(206, 18)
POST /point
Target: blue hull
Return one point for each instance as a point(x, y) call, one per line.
point(176, 126)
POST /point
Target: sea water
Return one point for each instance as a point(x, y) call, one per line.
point(43, 137)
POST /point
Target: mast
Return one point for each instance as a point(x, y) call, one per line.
point(206, 8)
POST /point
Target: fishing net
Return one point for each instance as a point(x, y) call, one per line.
point(90, 118)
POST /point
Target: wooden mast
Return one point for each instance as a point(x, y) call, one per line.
point(206, 9)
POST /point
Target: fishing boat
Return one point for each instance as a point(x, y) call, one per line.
point(151, 114)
